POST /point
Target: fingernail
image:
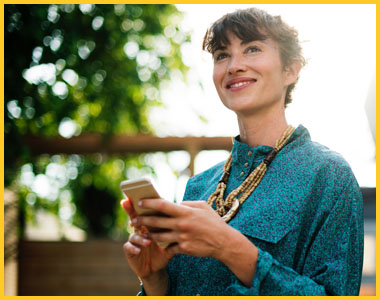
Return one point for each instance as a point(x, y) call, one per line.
point(145, 235)
point(136, 250)
point(145, 242)
point(140, 203)
point(134, 221)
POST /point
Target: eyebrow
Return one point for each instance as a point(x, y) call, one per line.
point(247, 42)
point(242, 43)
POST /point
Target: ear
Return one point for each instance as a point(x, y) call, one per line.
point(291, 73)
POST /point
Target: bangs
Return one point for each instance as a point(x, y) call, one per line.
point(254, 24)
point(242, 26)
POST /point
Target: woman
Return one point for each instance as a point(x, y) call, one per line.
point(283, 215)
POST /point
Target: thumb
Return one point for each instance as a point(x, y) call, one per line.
point(126, 204)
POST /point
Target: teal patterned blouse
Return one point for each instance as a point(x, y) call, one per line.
point(305, 217)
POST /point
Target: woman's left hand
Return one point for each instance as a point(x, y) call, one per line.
point(193, 227)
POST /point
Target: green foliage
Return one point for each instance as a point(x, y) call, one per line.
point(72, 69)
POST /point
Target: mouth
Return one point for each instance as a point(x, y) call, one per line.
point(235, 84)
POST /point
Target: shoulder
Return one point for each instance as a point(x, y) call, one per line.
point(328, 162)
point(319, 180)
point(308, 154)
point(331, 176)
point(335, 186)
point(313, 169)
point(200, 185)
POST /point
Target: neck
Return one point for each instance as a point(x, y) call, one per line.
point(262, 129)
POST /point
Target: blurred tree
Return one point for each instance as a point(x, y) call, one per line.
point(72, 69)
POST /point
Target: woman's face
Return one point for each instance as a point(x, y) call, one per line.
point(249, 77)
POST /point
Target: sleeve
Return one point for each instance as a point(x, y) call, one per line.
point(334, 259)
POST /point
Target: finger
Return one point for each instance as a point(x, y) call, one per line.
point(155, 221)
point(139, 240)
point(165, 237)
point(195, 204)
point(163, 206)
point(130, 250)
point(126, 204)
point(142, 230)
point(199, 205)
point(135, 229)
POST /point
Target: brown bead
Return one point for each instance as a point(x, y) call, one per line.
point(270, 156)
point(224, 177)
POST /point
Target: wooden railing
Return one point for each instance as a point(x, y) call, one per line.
point(95, 143)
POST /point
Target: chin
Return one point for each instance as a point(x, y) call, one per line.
point(242, 106)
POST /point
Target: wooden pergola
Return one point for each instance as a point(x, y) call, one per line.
point(95, 143)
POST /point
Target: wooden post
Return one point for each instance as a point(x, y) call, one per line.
point(193, 150)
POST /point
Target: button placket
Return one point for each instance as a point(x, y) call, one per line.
point(246, 165)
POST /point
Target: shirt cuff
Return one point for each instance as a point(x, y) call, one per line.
point(263, 265)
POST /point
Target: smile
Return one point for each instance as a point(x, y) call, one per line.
point(238, 84)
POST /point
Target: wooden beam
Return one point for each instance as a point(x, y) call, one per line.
point(94, 143)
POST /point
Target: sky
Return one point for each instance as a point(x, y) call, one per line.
point(339, 44)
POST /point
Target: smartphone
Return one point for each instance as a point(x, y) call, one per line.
point(138, 189)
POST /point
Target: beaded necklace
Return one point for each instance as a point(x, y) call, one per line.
point(228, 208)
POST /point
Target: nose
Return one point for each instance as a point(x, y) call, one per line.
point(236, 64)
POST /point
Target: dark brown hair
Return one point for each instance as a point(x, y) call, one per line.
point(254, 24)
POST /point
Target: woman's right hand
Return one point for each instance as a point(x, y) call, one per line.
point(144, 256)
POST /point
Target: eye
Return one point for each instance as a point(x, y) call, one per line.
point(220, 56)
point(252, 49)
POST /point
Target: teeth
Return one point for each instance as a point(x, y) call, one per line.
point(239, 84)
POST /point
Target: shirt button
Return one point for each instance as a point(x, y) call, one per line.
point(246, 164)
point(249, 153)
point(241, 174)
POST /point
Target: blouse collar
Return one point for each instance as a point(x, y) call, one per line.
point(242, 152)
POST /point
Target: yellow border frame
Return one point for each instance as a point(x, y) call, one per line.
point(134, 2)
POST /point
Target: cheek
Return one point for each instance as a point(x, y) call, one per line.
point(214, 79)
point(217, 77)
point(268, 67)
point(273, 72)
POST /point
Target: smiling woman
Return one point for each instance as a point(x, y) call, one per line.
point(250, 77)
point(282, 215)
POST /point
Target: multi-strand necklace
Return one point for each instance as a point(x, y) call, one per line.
point(228, 208)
